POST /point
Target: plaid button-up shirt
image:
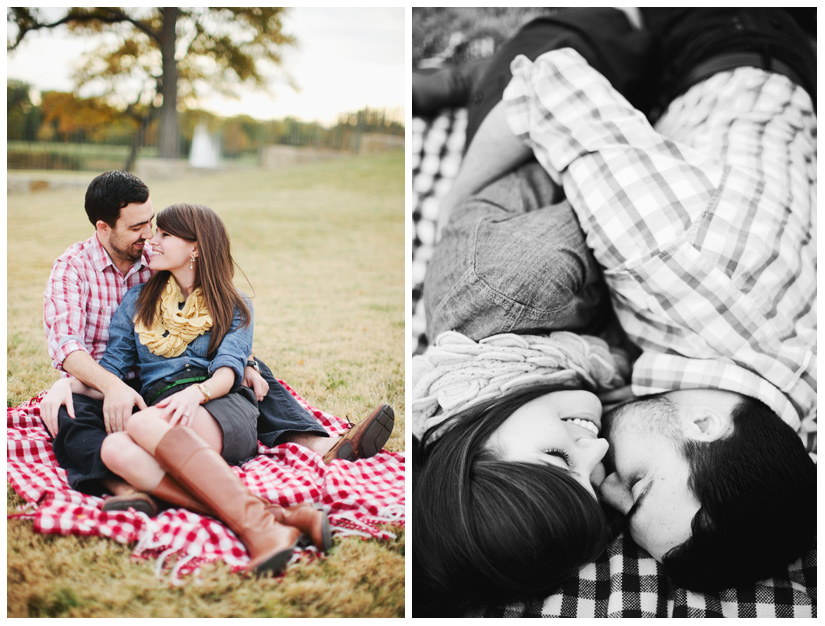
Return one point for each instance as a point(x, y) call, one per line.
point(705, 226)
point(84, 290)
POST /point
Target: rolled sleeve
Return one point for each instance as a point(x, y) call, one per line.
point(619, 174)
point(564, 109)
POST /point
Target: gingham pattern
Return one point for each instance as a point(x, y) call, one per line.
point(709, 253)
point(437, 148)
point(83, 292)
point(626, 582)
point(359, 496)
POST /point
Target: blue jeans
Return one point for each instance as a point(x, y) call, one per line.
point(510, 260)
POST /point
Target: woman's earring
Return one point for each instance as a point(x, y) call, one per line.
point(192, 261)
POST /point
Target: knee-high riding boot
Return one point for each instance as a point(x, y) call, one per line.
point(203, 472)
point(310, 519)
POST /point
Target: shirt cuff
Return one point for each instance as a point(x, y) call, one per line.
point(227, 361)
point(517, 97)
point(65, 350)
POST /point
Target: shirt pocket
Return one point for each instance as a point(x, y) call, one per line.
point(97, 324)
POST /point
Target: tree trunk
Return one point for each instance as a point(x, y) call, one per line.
point(168, 143)
point(137, 139)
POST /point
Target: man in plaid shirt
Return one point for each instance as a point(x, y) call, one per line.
point(705, 230)
point(86, 285)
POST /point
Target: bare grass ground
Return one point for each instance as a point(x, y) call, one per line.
point(323, 247)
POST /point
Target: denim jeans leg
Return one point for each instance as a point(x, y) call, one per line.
point(281, 413)
point(77, 445)
point(510, 261)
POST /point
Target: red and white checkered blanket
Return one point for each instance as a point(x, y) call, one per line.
point(359, 497)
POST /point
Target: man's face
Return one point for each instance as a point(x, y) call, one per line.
point(648, 476)
point(125, 241)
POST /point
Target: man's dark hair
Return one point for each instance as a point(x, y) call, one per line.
point(757, 490)
point(108, 193)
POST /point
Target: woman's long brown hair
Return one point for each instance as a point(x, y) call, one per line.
point(214, 270)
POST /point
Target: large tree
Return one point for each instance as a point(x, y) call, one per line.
point(167, 55)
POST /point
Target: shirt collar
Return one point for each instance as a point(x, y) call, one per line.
point(654, 373)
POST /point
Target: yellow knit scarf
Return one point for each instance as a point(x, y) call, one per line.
point(174, 328)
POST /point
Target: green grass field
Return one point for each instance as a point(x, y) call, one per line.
point(323, 247)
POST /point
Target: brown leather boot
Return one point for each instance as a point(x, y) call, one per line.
point(138, 500)
point(202, 471)
point(366, 438)
point(310, 519)
point(169, 490)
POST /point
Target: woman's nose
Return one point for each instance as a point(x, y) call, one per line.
point(591, 451)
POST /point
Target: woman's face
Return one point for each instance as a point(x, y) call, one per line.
point(560, 428)
point(170, 252)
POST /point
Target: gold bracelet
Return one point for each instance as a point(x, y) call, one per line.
point(205, 391)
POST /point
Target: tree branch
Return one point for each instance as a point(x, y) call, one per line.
point(27, 22)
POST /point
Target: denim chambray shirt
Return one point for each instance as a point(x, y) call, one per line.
point(124, 350)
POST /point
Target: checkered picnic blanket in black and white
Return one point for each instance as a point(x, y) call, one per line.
point(625, 582)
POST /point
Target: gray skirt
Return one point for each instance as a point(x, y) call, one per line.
point(237, 415)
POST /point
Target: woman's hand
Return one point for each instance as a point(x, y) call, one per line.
point(180, 407)
point(256, 382)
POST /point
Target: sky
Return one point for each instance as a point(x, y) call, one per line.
point(347, 58)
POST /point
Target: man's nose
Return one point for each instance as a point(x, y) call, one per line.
point(146, 232)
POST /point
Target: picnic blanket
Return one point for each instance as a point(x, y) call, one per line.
point(360, 497)
point(625, 582)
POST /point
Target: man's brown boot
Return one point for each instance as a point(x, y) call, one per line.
point(366, 438)
point(137, 500)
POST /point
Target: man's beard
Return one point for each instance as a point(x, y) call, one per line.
point(131, 252)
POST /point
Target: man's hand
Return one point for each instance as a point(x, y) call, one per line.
point(256, 382)
point(59, 395)
point(118, 401)
point(615, 397)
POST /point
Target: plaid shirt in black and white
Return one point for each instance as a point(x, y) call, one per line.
point(705, 226)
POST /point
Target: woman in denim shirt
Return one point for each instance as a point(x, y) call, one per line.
point(189, 333)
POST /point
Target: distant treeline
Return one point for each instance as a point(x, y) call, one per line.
point(63, 118)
